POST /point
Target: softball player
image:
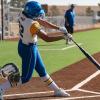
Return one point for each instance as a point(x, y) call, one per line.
point(70, 20)
point(30, 22)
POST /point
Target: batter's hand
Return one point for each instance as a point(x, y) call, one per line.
point(63, 29)
point(68, 36)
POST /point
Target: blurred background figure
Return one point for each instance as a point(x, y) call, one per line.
point(70, 21)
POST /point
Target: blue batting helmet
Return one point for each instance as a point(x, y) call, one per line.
point(33, 9)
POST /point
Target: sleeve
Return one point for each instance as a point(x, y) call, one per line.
point(65, 14)
point(35, 27)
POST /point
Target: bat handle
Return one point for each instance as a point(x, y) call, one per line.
point(74, 41)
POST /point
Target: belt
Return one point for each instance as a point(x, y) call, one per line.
point(28, 44)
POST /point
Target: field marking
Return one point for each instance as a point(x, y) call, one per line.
point(86, 80)
point(75, 98)
point(87, 91)
point(31, 93)
point(97, 94)
point(71, 46)
point(65, 48)
point(25, 94)
point(49, 49)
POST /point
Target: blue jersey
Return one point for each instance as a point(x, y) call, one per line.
point(70, 16)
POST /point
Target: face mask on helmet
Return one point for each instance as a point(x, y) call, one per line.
point(33, 10)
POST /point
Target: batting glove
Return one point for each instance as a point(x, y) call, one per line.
point(68, 36)
point(63, 29)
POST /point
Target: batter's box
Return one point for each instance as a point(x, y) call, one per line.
point(75, 95)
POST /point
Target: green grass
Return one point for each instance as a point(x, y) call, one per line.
point(54, 59)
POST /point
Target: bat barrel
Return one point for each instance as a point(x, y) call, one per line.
point(96, 63)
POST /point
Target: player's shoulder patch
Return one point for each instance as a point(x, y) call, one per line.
point(35, 27)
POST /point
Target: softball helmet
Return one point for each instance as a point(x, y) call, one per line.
point(33, 9)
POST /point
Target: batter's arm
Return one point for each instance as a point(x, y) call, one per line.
point(36, 29)
point(50, 37)
point(47, 24)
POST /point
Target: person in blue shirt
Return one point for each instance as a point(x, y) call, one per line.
point(70, 20)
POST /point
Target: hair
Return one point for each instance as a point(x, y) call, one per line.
point(72, 6)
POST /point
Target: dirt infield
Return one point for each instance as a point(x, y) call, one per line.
point(81, 80)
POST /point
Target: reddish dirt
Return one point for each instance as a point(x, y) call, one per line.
point(66, 78)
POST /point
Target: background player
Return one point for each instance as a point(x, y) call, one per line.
point(70, 20)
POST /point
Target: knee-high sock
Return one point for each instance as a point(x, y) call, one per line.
point(51, 84)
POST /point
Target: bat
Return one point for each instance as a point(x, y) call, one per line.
point(96, 63)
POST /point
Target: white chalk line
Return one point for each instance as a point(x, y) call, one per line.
point(70, 46)
point(76, 98)
point(25, 94)
point(65, 48)
point(49, 49)
point(31, 93)
point(87, 91)
point(86, 80)
point(47, 92)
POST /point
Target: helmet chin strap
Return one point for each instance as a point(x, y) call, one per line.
point(42, 16)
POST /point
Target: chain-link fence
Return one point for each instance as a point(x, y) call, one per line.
point(81, 22)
